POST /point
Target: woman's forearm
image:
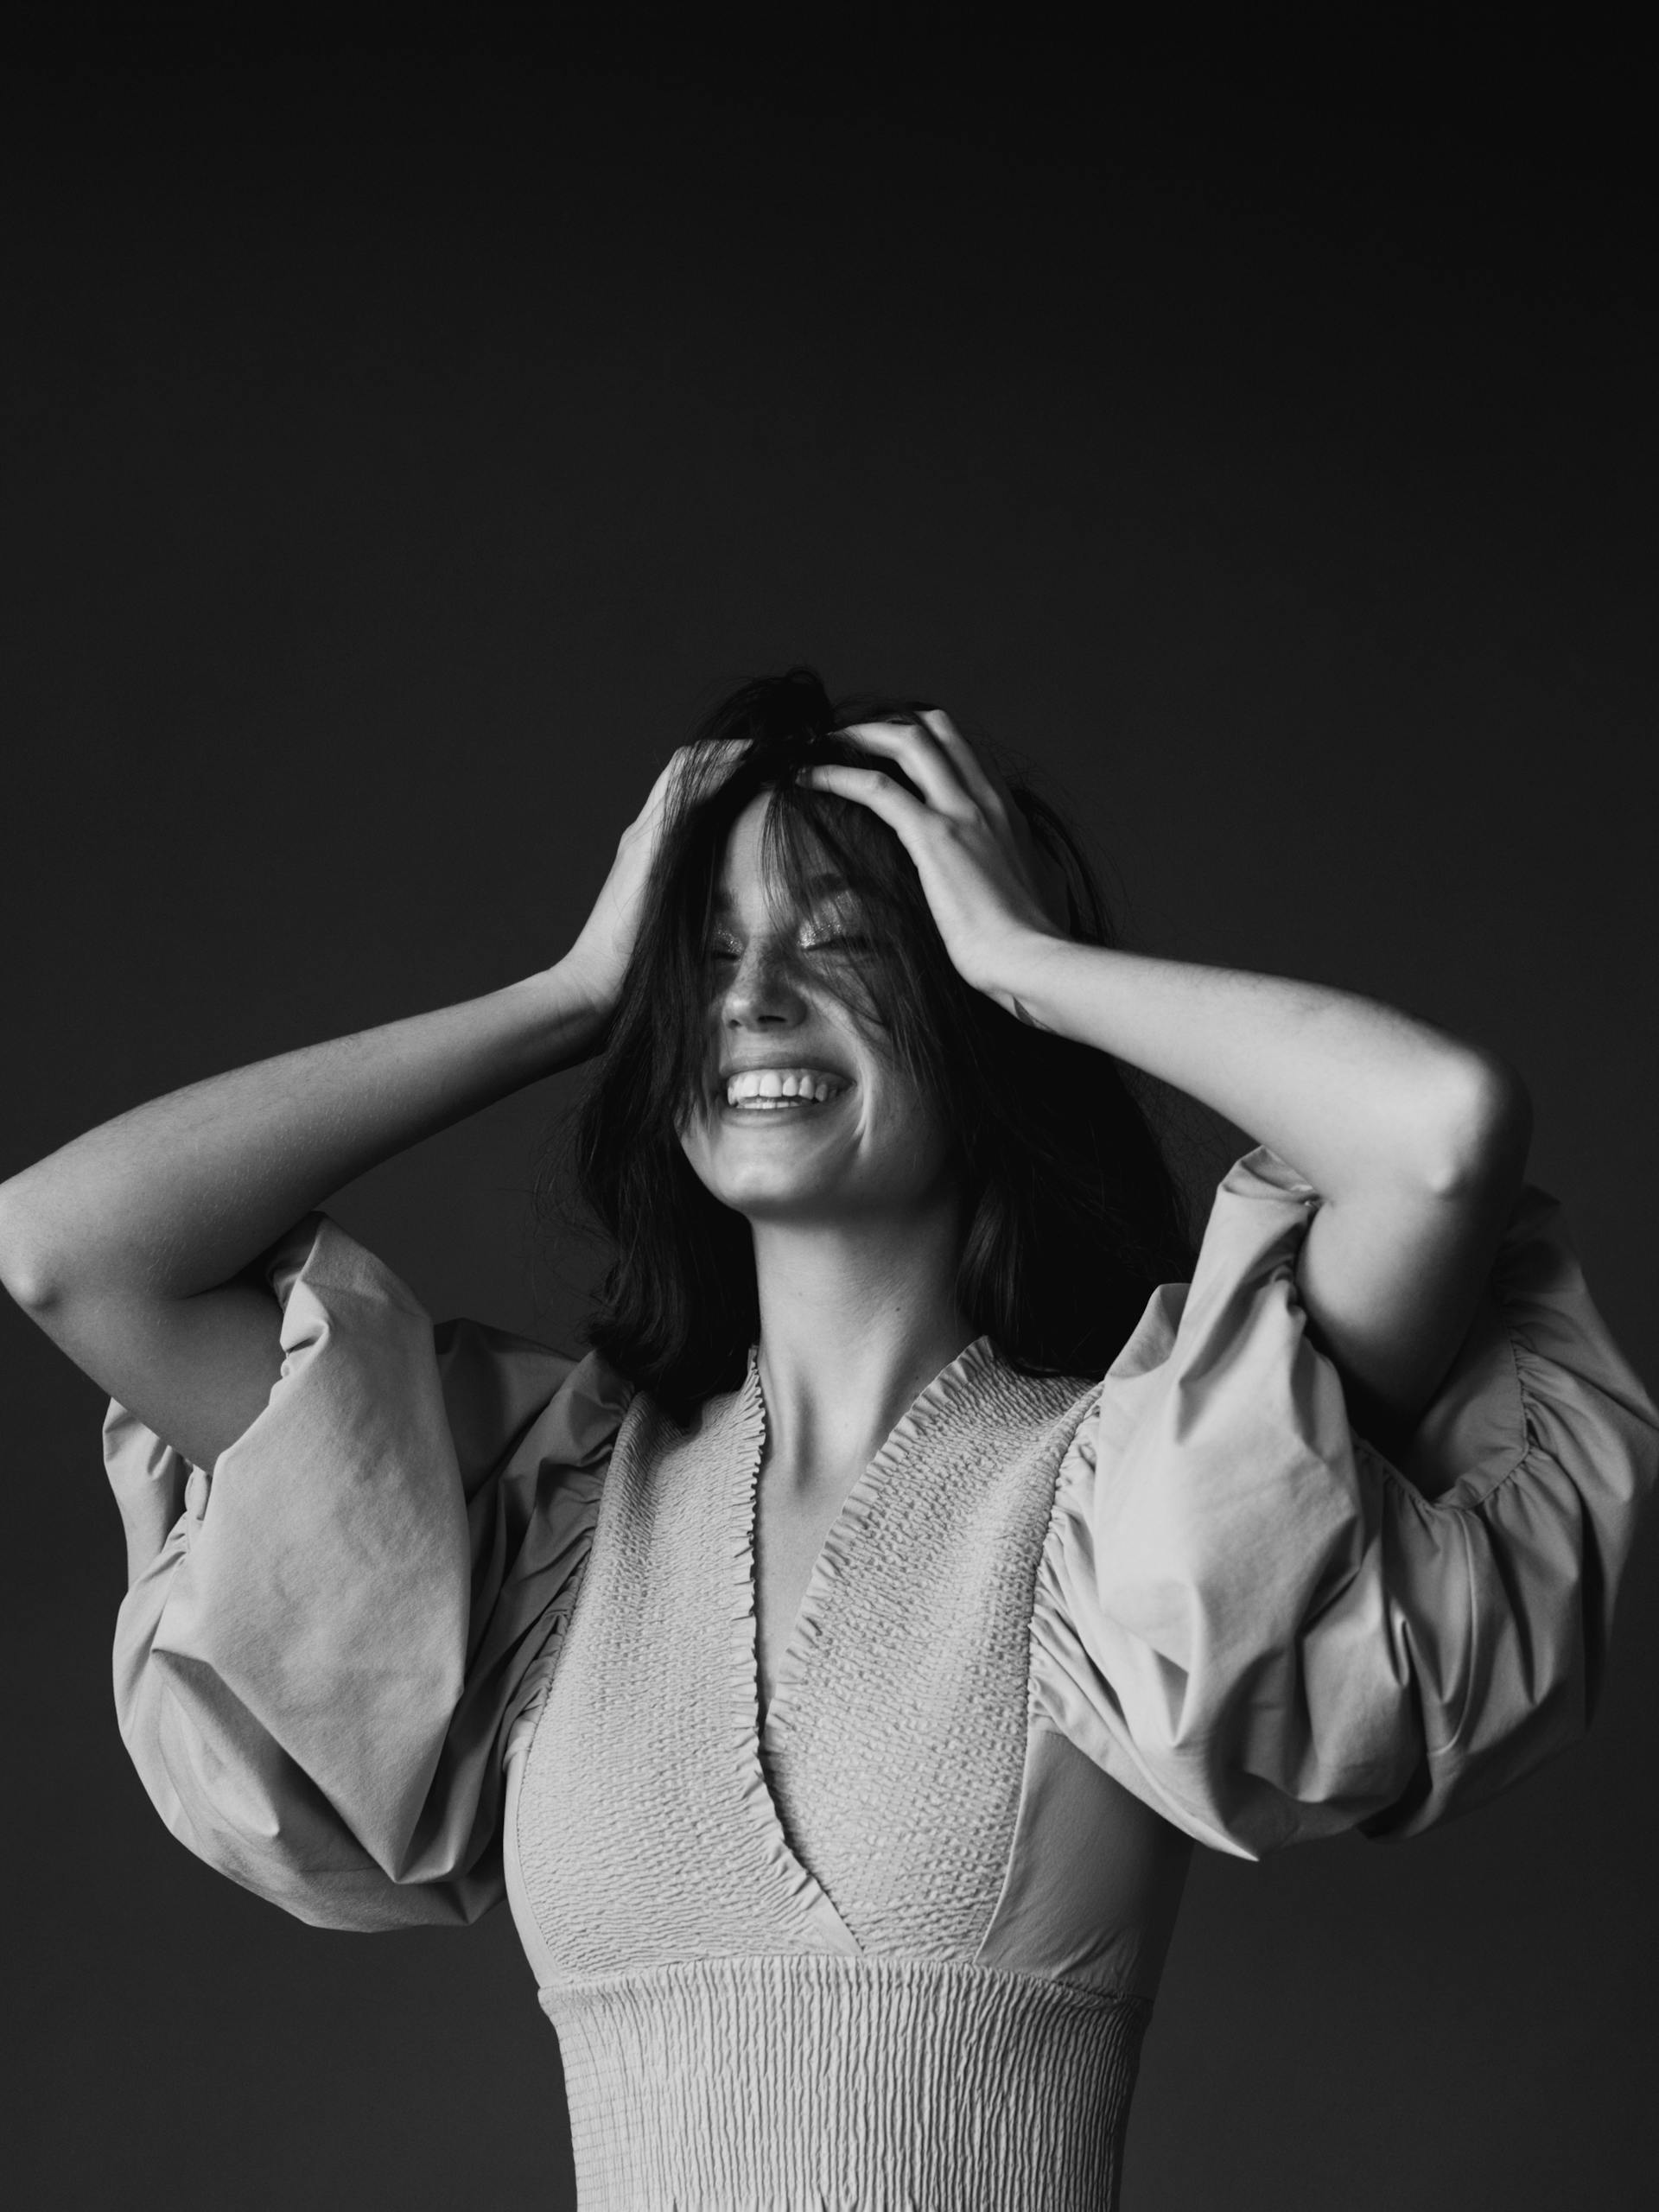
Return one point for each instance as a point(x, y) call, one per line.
point(181, 1193)
point(1354, 1094)
point(1415, 1142)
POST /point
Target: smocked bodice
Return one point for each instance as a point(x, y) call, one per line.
point(724, 1891)
point(457, 1617)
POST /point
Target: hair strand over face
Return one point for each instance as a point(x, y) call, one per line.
point(1073, 1217)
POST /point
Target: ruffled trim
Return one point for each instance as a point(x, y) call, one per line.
point(963, 1381)
point(744, 1443)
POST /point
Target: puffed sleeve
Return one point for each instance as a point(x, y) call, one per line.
point(1253, 1620)
point(325, 1642)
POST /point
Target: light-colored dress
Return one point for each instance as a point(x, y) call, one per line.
point(458, 1619)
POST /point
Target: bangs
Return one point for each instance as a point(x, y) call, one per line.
point(825, 860)
point(1072, 1214)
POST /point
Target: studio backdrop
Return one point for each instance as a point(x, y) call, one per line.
point(400, 460)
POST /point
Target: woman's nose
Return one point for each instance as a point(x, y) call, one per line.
point(762, 989)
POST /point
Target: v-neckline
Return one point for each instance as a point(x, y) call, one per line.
point(834, 1553)
point(756, 1734)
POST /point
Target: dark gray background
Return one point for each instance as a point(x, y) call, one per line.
point(402, 447)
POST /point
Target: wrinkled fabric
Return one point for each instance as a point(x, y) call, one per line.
point(323, 1644)
point(1242, 1615)
point(1253, 1620)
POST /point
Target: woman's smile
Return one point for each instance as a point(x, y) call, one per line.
point(786, 1053)
point(774, 1094)
point(904, 1445)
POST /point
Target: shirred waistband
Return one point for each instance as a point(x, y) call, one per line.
point(815, 2082)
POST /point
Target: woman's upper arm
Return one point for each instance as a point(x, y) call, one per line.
point(328, 1634)
point(1389, 1276)
point(198, 1372)
point(1268, 1630)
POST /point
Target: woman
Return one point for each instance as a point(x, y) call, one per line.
point(834, 1668)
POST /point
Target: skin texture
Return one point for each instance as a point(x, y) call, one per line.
point(136, 1245)
point(1415, 1142)
point(854, 1214)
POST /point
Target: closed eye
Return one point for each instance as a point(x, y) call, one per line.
point(726, 952)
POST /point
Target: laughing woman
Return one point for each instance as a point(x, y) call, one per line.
point(834, 1667)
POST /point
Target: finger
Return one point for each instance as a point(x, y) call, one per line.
point(919, 754)
point(869, 787)
point(695, 771)
point(997, 802)
point(985, 780)
point(981, 778)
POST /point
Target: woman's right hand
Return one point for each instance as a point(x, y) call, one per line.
point(136, 1246)
point(598, 960)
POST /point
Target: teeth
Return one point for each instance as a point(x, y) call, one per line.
point(766, 1089)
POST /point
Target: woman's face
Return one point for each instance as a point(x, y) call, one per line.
point(803, 1114)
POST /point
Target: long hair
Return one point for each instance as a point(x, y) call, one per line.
point(1073, 1215)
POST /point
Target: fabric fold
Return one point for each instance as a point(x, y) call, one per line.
point(320, 1651)
point(1251, 1618)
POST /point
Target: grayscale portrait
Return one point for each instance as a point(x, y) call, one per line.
point(825, 1182)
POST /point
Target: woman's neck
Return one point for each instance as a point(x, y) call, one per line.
point(856, 1319)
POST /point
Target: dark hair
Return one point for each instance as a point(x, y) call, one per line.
point(1073, 1215)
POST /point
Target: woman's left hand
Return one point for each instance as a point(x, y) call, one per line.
point(990, 887)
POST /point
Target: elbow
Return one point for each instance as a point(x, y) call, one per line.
point(26, 1268)
point(1478, 1127)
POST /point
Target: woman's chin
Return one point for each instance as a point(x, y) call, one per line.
point(814, 1165)
point(770, 1193)
point(768, 1157)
